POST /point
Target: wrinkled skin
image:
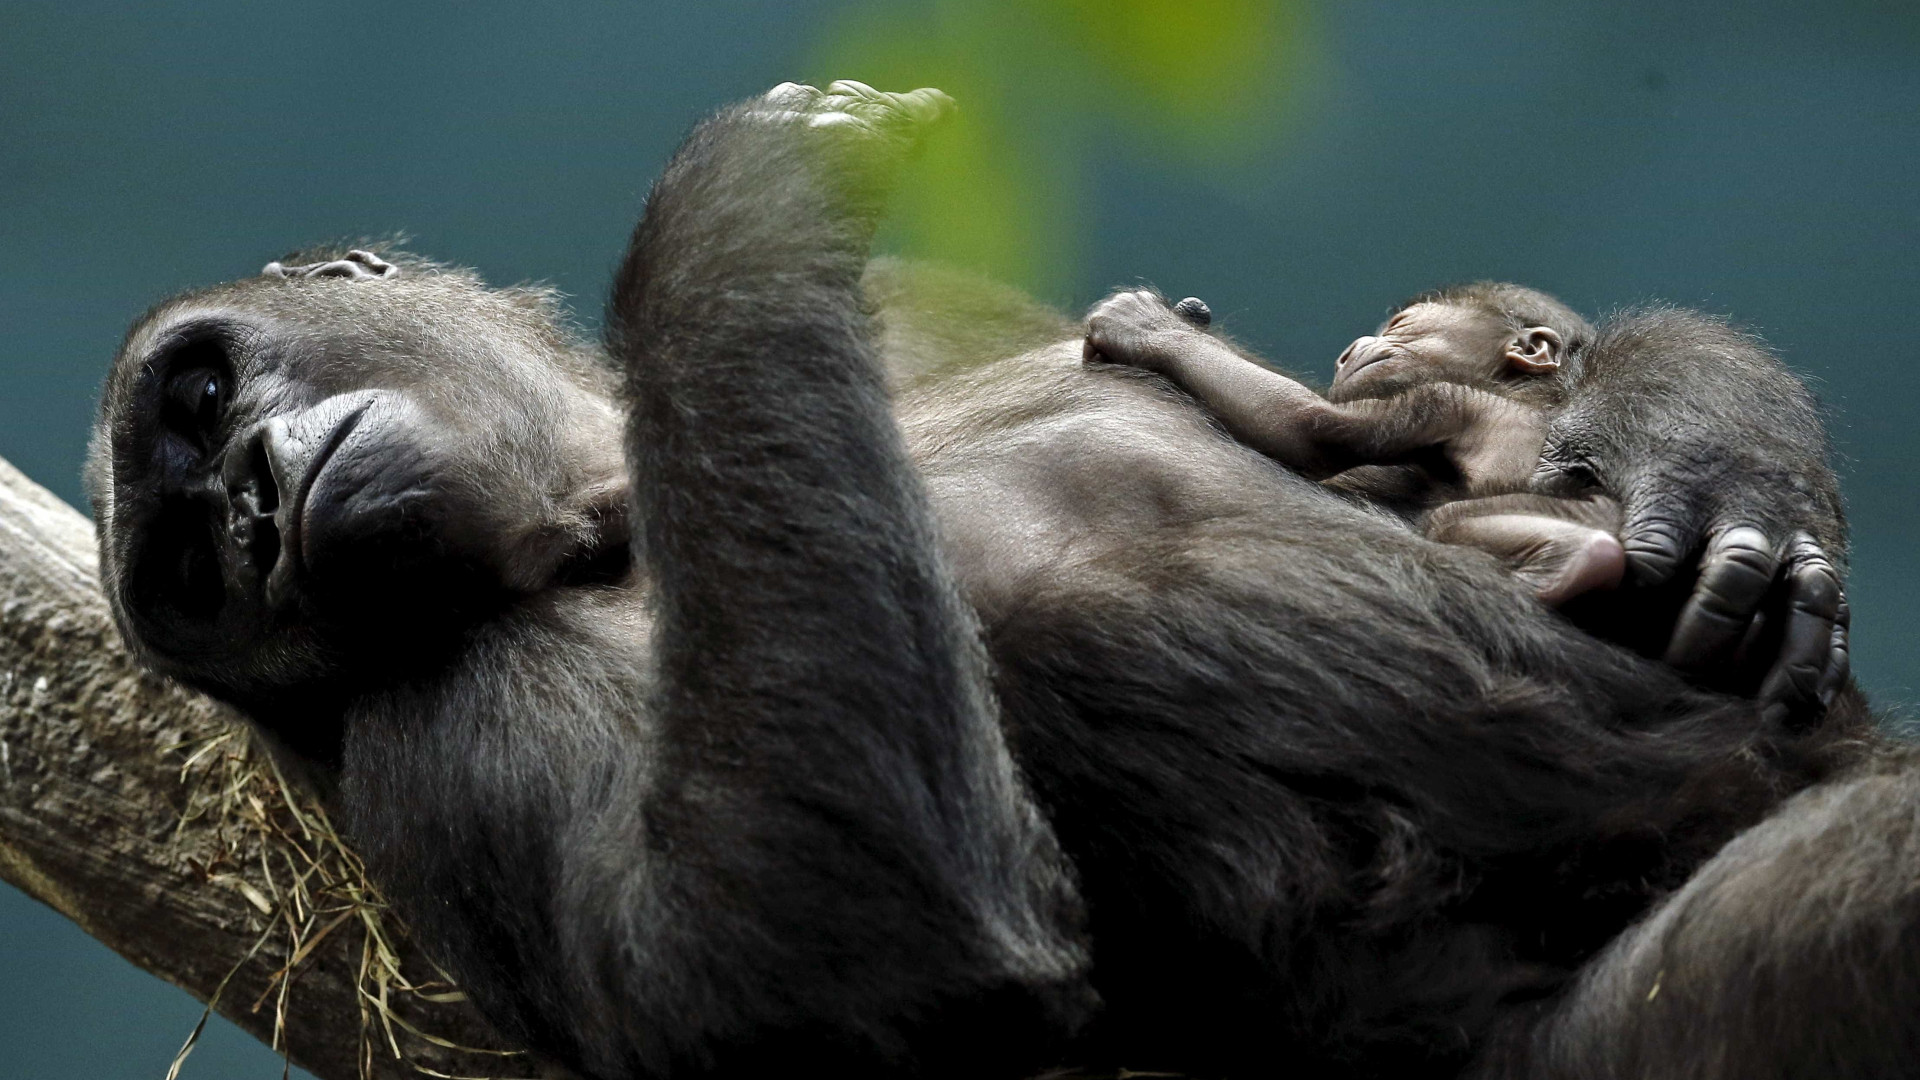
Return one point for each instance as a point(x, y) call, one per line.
point(937, 705)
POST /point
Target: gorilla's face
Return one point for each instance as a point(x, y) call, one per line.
point(293, 473)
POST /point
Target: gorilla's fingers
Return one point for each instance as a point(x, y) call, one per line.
point(922, 106)
point(1839, 655)
point(1793, 685)
point(792, 96)
point(857, 106)
point(1735, 574)
point(853, 88)
point(1123, 328)
point(1658, 538)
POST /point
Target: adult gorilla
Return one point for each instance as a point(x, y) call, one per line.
point(1247, 775)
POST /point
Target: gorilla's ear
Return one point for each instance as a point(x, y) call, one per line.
point(584, 541)
point(1537, 350)
point(597, 533)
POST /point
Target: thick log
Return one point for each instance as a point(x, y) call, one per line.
point(143, 812)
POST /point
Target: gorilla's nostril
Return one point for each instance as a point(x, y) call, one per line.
point(248, 477)
point(267, 492)
point(252, 498)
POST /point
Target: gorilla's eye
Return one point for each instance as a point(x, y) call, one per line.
point(195, 382)
point(199, 394)
point(196, 398)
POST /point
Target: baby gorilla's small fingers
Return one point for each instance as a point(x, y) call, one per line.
point(926, 104)
point(1129, 328)
point(1793, 686)
point(1735, 575)
point(852, 88)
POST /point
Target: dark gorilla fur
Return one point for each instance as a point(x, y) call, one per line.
point(1247, 776)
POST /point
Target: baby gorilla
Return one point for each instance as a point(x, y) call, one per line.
point(1458, 383)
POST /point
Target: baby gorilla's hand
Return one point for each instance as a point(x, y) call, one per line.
point(1137, 328)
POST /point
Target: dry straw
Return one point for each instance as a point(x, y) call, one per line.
point(275, 846)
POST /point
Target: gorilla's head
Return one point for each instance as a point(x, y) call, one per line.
point(294, 473)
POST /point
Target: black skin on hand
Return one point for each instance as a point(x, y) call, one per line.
point(1743, 539)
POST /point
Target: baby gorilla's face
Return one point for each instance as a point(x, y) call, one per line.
point(1421, 344)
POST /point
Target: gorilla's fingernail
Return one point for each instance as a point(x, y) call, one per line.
point(1194, 310)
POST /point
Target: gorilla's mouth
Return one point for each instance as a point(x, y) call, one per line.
point(288, 459)
point(1362, 363)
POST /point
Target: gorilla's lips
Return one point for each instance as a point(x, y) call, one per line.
point(296, 462)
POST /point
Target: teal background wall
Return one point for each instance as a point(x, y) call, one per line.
point(1300, 165)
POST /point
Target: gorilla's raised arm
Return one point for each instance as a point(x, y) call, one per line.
point(851, 844)
point(1718, 454)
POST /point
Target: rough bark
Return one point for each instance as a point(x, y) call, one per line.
point(124, 808)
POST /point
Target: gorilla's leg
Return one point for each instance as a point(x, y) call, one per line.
point(1795, 952)
point(853, 859)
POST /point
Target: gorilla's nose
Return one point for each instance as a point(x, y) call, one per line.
point(1363, 351)
point(253, 497)
point(251, 489)
point(286, 457)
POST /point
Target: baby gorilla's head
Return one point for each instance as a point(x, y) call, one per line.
point(1499, 337)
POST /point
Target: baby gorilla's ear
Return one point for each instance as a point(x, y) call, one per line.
point(1535, 351)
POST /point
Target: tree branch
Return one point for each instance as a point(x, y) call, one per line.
point(144, 812)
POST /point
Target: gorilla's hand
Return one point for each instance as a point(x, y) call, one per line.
point(1718, 457)
point(1138, 328)
point(1135, 328)
point(867, 134)
point(856, 108)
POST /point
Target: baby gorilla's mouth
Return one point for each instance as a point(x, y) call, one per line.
point(1357, 362)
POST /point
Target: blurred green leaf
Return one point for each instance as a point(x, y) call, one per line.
point(1042, 86)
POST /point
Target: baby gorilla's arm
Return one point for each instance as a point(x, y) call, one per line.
point(1493, 442)
point(1563, 548)
point(1262, 408)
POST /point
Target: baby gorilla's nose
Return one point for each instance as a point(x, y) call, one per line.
point(1361, 347)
